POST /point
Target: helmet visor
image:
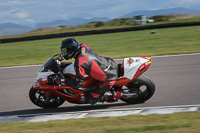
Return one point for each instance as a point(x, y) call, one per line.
point(68, 53)
point(64, 51)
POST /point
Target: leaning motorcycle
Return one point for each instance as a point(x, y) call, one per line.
point(135, 87)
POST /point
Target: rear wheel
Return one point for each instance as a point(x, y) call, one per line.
point(139, 90)
point(38, 98)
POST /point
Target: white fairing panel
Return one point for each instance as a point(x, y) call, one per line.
point(44, 75)
point(131, 65)
point(69, 69)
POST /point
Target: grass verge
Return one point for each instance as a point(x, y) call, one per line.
point(187, 122)
point(116, 45)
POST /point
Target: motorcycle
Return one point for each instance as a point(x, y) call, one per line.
point(134, 85)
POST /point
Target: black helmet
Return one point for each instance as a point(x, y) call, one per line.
point(69, 47)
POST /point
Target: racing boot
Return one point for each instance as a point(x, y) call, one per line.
point(91, 99)
point(111, 96)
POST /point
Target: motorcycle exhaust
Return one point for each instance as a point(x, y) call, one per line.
point(129, 95)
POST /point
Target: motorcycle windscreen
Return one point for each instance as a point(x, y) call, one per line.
point(49, 65)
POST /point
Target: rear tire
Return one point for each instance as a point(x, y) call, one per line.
point(143, 86)
point(38, 98)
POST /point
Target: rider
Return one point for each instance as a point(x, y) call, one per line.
point(102, 69)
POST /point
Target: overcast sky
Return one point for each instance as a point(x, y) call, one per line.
point(30, 12)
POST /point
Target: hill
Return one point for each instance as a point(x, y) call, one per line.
point(12, 28)
point(111, 24)
point(70, 22)
point(150, 13)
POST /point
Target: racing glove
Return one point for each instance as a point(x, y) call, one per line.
point(59, 81)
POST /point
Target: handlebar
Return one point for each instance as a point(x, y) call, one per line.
point(59, 58)
point(58, 61)
point(61, 75)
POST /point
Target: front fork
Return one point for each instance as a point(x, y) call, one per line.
point(46, 93)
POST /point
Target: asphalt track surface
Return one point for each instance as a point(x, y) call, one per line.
point(177, 80)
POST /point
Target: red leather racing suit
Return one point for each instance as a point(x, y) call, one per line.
point(102, 69)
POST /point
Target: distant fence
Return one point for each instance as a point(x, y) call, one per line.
point(81, 33)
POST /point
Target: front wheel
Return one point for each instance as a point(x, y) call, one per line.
point(143, 89)
point(38, 98)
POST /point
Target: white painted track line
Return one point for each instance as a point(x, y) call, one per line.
point(43, 117)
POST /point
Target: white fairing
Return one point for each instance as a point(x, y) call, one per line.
point(69, 69)
point(43, 75)
point(131, 66)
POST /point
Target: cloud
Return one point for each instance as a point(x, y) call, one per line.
point(21, 14)
point(10, 3)
point(40, 11)
point(189, 2)
point(30, 20)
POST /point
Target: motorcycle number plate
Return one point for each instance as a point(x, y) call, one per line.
point(44, 78)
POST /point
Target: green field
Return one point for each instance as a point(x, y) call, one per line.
point(116, 45)
point(187, 122)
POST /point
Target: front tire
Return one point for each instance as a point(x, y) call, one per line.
point(143, 86)
point(38, 98)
